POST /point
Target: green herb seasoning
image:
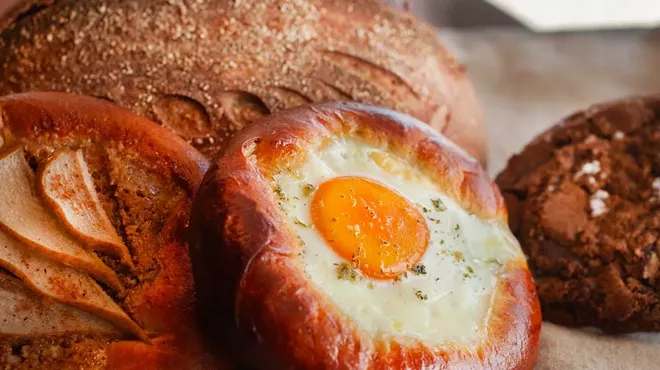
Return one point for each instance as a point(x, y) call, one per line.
point(279, 193)
point(469, 272)
point(438, 205)
point(401, 276)
point(493, 261)
point(347, 272)
point(458, 256)
point(421, 295)
point(300, 223)
point(419, 269)
point(308, 189)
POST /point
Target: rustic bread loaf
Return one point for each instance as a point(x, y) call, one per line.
point(205, 68)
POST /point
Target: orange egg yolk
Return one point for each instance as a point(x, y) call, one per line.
point(375, 228)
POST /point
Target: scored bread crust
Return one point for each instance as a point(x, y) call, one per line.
point(44, 118)
point(248, 282)
point(206, 68)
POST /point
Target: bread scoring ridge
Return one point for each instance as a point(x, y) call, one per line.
point(207, 68)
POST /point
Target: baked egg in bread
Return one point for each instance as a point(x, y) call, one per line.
point(341, 236)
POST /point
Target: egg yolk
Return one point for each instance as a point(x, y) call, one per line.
point(370, 225)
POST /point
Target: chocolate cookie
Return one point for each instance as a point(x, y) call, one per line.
point(584, 201)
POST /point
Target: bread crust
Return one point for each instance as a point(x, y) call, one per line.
point(250, 286)
point(44, 117)
point(206, 69)
point(30, 116)
point(13, 9)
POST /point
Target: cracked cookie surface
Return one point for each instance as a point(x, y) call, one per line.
point(584, 201)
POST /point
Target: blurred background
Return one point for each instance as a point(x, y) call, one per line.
point(528, 78)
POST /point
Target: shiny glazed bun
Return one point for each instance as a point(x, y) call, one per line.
point(94, 266)
point(205, 68)
point(342, 236)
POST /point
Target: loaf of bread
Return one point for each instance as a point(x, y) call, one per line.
point(205, 68)
point(341, 236)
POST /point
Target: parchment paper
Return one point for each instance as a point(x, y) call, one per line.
point(525, 83)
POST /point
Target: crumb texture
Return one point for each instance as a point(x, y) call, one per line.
point(584, 200)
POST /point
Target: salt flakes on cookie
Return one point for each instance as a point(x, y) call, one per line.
point(597, 203)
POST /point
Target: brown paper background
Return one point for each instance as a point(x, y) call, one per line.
point(526, 82)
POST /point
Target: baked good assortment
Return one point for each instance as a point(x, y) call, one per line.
point(328, 235)
point(206, 68)
point(341, 236)
point(584, 201)
point(94, 266)
point(332, 235)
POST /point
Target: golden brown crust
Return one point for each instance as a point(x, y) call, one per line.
point(206, 68)
point(166, 302)
point(248, 281)
point(31, 116)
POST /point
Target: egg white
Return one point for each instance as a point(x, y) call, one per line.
point(450, 303)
